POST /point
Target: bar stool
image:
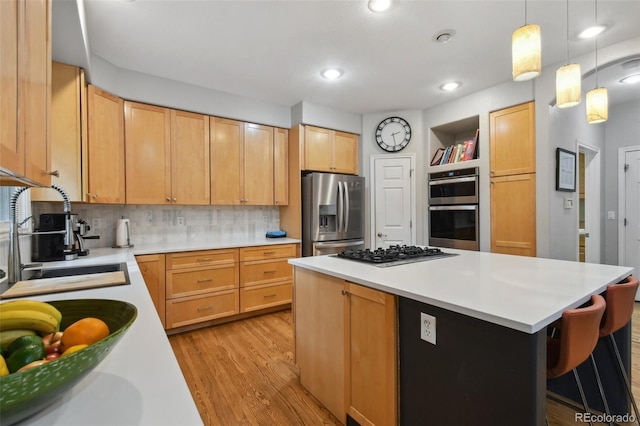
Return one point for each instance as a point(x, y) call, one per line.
point(620, 300)
point(579, 331)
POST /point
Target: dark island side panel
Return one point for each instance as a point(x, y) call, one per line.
point(478, 373)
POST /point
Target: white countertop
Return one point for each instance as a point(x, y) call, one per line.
point(522, 293)
point(140, 382)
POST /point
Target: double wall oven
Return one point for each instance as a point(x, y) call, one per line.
point(454, 217)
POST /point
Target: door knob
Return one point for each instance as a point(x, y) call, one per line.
point(381, 235)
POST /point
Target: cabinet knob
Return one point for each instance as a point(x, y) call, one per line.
point(94, 196)
point(168, 199)
point(345, 292)
point(175, 199)
point(55, 173)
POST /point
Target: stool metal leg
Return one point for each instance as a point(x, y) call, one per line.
point(584, 399)
point(600, 388)
point(624, 375)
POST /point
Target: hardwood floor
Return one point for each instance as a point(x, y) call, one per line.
point(242, 373)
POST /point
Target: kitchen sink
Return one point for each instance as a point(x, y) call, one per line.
point(80, 270)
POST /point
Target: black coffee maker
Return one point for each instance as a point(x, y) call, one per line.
point(48, 247)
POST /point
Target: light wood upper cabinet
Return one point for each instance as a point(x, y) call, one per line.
point(280, 167)
point(513, 139)
point(330, 151)
point(148, 153)
point(68, 95)
point(241, 163)
point(167, 155)
point(11, 147)
point(257, 165)
point(189, 158)
point(25, 99)
point(226, 138)
point(105, 165)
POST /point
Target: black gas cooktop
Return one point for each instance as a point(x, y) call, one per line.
point(394, 255)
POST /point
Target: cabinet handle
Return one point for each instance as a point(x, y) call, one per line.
point(205, 308)
point(344, 292)
point(55, 173)
point(269, 295)
point(204, 259)
point(205, 280)
point(273, 271)
point(268, 253)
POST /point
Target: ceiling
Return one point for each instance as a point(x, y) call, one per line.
point(273, 51)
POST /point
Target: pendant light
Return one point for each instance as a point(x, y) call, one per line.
point(568, 80)
point(598, 98)
point(526, 53)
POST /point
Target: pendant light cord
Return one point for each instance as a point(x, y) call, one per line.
point(596, 42)
point(567, 32)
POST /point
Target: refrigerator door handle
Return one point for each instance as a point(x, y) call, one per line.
point(347, 207)
point(340, 207)
point(339, 244)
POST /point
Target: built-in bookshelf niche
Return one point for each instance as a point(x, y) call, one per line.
point(454, 143)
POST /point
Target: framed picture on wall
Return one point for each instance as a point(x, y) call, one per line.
point(565, 170)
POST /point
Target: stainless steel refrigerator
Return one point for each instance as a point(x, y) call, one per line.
point(332, 213)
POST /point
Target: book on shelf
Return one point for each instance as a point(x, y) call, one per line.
point(456, 153)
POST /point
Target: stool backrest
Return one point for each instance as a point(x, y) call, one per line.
point(620, 300)
point(579, 330)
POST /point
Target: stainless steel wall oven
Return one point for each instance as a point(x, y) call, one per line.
point(454, 216)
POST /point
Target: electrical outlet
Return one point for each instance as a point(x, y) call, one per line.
point(428, 328)
point(96, 224)
point(180, 221)
point(265, 219)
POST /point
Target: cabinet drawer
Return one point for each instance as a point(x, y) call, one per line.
point(195, 309)
point(201, 280)
point(190, 259)
point(267, 252)
point(265, 272)
point(260, 297)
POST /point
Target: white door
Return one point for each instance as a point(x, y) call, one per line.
point(631, 214)
point(393, 198)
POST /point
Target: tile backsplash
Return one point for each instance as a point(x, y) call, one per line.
point(170, 224)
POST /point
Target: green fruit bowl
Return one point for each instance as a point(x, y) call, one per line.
point(28, 392)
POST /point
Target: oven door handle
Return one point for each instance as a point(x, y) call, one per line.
point(453, 180)
point(464, 207)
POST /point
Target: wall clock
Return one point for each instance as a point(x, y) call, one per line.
point(393, 134)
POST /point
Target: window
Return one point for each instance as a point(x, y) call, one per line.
point(24, 206)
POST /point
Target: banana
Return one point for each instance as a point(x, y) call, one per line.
point(8, 336)
point(27, 304)
point(28, 319)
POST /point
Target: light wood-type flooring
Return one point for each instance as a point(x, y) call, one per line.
point(242, 373)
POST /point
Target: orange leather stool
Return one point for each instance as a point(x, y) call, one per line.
point(579, 332)
point(620, 299)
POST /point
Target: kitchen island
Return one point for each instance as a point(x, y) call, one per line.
point(487, 314)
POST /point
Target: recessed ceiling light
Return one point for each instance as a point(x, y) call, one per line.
point(331, 73)
point(379, 5)
point(443, 36)
point(633, 78)
point(592, 31)
point(452, 85)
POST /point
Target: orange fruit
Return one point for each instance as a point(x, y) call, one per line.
point(85, 331)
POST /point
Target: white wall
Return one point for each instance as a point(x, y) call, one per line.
point(621, 130)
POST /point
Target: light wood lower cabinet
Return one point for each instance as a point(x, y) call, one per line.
point(152, 267)
point(193, 287)
point(201, 286)
point(346, 347)
point(265, 276)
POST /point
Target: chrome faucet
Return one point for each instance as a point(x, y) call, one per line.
point(15, 265)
